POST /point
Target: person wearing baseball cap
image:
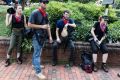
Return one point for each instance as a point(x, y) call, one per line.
point(99, 33)
point(39, 22)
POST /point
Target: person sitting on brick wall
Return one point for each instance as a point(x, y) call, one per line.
point(99, 32)
point(64, 29)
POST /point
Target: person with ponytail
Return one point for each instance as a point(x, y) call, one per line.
point(64, 29)
point(18, 22)
point(99, 34)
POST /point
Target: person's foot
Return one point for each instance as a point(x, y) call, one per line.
point(41, 76)
point(95, 68)
point(71, 63)
point(104, 67)
point(54, 63)
point(118, 74)
point(19, 60)
point(7, 63)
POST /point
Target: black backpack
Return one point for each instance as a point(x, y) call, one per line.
point(86, 62)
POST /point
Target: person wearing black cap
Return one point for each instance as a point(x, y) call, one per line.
point(39, 22)
point(99, 33)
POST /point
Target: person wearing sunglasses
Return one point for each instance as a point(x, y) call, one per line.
point(39, 22)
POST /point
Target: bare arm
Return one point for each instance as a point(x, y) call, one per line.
point(49, 32)
point(57, 34)
point(8, 19)
point(72, 25)
point(25, 24)
point(103, 38)
point(93, 34)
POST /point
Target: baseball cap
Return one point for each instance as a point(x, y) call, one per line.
point(44, 1)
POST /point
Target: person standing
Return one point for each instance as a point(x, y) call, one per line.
point(65, 28)
point(39, 22)
point(99, 33)
point(18, 22)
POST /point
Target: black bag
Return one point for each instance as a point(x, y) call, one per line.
point(86, 62)
point(28, 33)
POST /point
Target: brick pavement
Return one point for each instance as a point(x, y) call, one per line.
point(25, 72)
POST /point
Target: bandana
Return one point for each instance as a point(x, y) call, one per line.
point(42, 11)
point(65, 20)
point(102, 27)
point(18, 18)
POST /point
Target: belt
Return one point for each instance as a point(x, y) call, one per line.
point(17, 29)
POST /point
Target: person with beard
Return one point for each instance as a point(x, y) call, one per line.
point(99, 33)
point(39, 23)
point(18, 22)
point(64, 29)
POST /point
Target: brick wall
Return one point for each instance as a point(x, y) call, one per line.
point(114, 52)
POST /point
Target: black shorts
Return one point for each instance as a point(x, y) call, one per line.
point(102, 47)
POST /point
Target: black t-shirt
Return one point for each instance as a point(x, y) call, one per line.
point(98, 32)
point(16, 24)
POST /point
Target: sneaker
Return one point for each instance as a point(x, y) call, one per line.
point(95, 68)
point(54, 63)
point(7, 63)
point(41, 76)
point(104, 67)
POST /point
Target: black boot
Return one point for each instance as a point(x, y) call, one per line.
point(7, 63)
point(54, 63)
point(104, 67)
point(19, 60)
point(95, 68)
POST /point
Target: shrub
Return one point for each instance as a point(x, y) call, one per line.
point(114, 31)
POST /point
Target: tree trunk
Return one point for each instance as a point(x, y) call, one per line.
point(23, 4)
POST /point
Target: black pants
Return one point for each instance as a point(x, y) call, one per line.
point(67, 43)
point(102, 47)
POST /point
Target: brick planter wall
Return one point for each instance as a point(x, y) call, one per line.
point(114, 52)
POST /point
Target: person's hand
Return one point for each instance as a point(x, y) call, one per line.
point(66, 25)
point(99, 42)
point(58, 40)
point(95, 39)
point(50, 40)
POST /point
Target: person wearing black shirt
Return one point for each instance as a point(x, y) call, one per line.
point(99, 33)
point(18, 22)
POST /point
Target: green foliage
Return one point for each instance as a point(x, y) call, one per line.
point(83, 14)
point(117, 4)
point(114, 31)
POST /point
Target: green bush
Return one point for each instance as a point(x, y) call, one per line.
point(83, 14)
point(114, 31)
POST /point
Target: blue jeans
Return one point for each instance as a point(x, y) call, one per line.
point(8, 1)
point(36, 60)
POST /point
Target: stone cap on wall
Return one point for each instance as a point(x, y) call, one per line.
point(78, 44)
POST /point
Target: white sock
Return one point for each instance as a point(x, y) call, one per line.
point(8, 56)
point(18, 55)
point(104, 58)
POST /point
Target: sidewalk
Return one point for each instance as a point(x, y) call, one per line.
point(25, 72)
